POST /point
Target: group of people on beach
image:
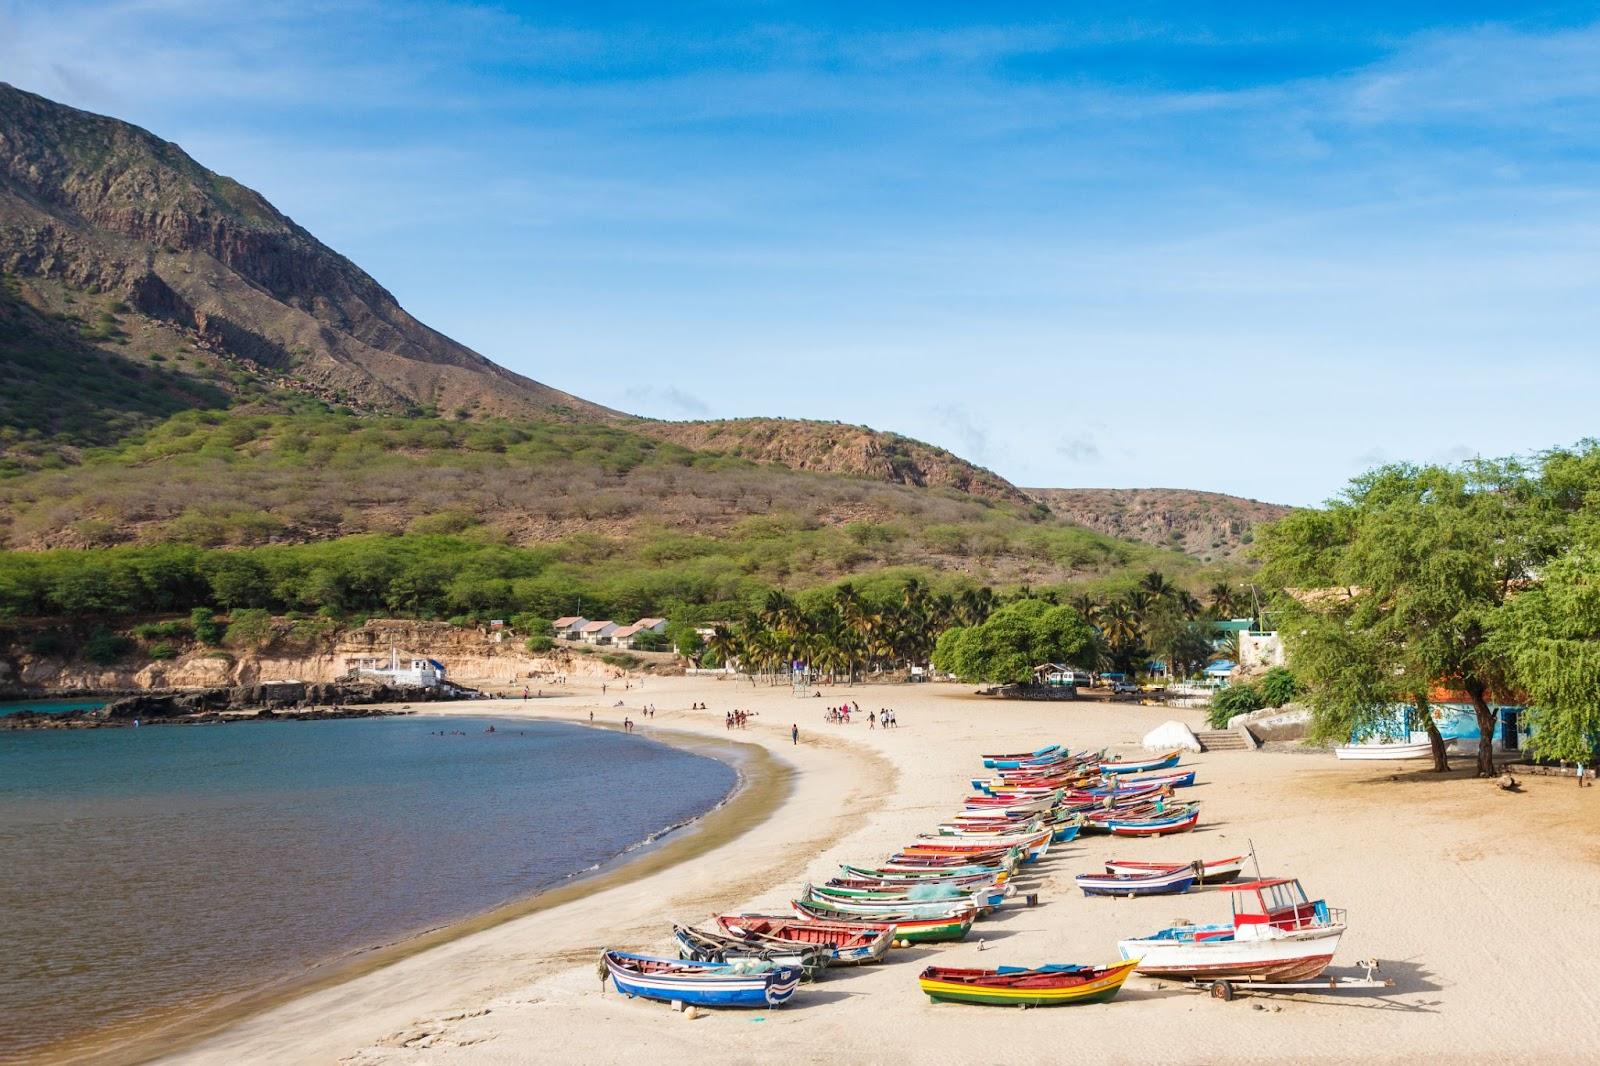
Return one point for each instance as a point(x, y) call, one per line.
point(883, 716)
point(737, 719)
point(842, 712)
point(886, 718)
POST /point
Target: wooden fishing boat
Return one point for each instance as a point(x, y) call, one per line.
point(1157, 826)
point(1182, 779)
point(852, 943)
point(699, 945)
point(1139, 766)
point(1386, 752)
point(986, 897)
point(914, 875)
point(1014, 986)
point(913, 930)
point(902, 882)
point(1211, 871)
point(1157, 883)
point(902, 861)
point(1277, 934)
point(867, 907)
point(1015, 759)
point(750, 983)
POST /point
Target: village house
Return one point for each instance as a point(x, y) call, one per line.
point(597, 632)
point(408, 673)
point(624, 636)
point(568, 627)
point(654, 625)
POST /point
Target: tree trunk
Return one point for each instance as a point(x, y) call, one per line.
point(1441, 760)
point(1486, 723)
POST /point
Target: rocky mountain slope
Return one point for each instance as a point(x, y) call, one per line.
point(106, 208)
point(1210, 526)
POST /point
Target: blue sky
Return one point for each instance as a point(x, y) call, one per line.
point(1228, 247)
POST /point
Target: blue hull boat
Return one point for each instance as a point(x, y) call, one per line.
point(702, 984)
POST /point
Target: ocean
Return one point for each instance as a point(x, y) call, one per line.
point(143, 871)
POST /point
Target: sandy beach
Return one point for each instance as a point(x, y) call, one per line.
point(1481, 906)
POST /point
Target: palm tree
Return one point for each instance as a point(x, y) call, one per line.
point(723, 644)
point(1187, 604)
point(1085, 605)
point(1157, 586)
point(1223, 601)
point(1120, 624)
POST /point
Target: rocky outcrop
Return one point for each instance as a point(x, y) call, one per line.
point(835, 448)
point(1210, 526)
point(109, 208)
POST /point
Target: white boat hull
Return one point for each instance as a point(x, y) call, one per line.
point(1291, 956)
point(1385, 752)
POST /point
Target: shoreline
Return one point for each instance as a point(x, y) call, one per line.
point(1516, 871)
point(762, 784)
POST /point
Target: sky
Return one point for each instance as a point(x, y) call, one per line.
point(1234, 247)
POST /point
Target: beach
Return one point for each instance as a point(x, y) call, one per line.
point(1478, 903)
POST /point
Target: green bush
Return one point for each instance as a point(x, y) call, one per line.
point(105, 647)
point(539, 643)
point(162, 650)
point(249, 628)
point(1277, 687)
point(1235, 699)
point(207, 630)
point(48, 642)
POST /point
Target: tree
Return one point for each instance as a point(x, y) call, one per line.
point(1185, 645)
point(1277, 687)
point(1223, 602)
point(1551, 636)
point(1401, 583)
point(1012, 641)
point(1232, 700)
point(249, 628)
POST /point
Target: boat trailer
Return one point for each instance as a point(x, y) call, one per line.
point(1229, 989)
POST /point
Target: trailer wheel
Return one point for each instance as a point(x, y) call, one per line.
point(1222, 990)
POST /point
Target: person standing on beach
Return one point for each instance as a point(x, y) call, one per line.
point(872, 720)
point(794, 733)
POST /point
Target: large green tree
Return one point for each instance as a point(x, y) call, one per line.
point(1006, 647)
point(1399, 588)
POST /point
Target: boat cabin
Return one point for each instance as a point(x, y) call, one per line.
point(1280, 903)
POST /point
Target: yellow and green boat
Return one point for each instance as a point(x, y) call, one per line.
point(1018, 986)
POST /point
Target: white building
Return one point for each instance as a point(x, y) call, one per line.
point(597, 632)
point(404, 673)
point(654, 625)
point(1260, 651)
point(569, 627)
point(623, 636)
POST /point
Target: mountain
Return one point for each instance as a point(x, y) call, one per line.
point(186, 366)
point(103, 208)
point(1209, 526)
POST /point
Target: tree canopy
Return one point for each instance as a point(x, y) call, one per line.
point(1006, 647)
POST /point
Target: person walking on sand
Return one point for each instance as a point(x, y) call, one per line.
point(872, 720)
point(794, 733)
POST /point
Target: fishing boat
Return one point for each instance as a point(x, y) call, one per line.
point(852, 943)
point(916, 874)
point(1386, 751)
point(1015, 759)
point(1161, 825)
point(1157, 883)
point(1016, 986)
point(1211, 871)
point(1277, 934)
point(748, 983)
point(1179, 780)
point(911, 862)
point(1139, 766)
point(986, 897)
point(699, 945)
point(870, 907)
point(913, 930)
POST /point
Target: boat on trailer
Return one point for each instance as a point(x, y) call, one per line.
point(1018, 986)
point(748, 983)
point(1277, 934)
point(852, 943)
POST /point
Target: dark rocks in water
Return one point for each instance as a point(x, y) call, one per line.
point(273, 701)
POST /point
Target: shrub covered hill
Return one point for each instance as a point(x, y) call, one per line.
point(195, 384)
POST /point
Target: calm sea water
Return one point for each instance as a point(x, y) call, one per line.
point(49, 706)
point(142, 868)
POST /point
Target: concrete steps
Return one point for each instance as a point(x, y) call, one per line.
point(1223, 740)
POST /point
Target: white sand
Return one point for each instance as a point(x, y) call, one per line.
point(1483, 906)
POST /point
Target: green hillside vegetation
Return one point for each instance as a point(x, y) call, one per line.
point(583, 495)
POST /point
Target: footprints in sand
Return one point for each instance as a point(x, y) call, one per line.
point(419, 1036)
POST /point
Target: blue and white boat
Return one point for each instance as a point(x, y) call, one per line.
point(1169, 882)
point(746, 983)
point(1052, 753)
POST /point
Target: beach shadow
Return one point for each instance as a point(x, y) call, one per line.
point(818, 994)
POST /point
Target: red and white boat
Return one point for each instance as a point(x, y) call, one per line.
point(1277, 935)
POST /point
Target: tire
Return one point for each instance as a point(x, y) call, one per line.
point(1222, 990)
